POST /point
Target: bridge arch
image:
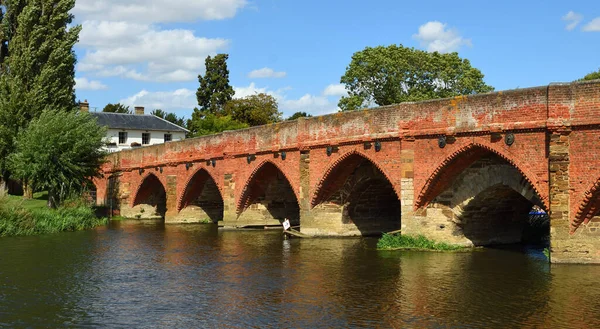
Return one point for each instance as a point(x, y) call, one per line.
point(461, 159)
point(588, 208)
point(480, 197)
point(268, 194)
point(322, 190)
point(150, 197)
point(357, 195)
point(201, 199)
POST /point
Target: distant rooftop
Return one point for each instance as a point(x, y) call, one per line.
point(135, 121)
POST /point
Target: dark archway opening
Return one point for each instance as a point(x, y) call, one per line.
point(152, 193)
point(365, 197)
point(501, 215)
point(269, 195)
point(495, 205)
point(202, 199)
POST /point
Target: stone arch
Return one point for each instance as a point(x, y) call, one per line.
point(152, 192)
point(355, 196)
point(322, 190)
point(201, 199)
point(487, 202)
point(139, 188)
point(458, 161)
point(200, 171)
point(588, 208)
point(270, 194)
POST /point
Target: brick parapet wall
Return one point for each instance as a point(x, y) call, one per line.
point(521, 109)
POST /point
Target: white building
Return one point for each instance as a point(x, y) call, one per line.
point(127, 131)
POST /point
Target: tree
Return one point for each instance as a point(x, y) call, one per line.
point(254, 110)
point(171, 117)
point(38, 73)
point(117, 108)
point(592, 76)
point(395, 74)
point(299, 115)
point(214, 90)
point(59, 151)
point(211, 124)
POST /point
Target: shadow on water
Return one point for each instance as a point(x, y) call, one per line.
point(145, 274)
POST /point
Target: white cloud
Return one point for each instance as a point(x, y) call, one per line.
point(265, 72)
point(166, 100)
point(241, 92)
point(593, 26)
point(434, 36)
point(315, 105)
point(85, 84)
point(573, 19)
point(121, 37)
point(157, 11)
point(335, 90)
point(122, 48)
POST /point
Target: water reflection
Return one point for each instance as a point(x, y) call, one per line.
point(146, 274)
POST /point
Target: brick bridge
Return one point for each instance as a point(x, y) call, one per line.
point(465, 170)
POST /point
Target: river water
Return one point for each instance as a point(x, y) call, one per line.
point(137, 274)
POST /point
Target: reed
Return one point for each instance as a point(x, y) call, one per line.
point(18, 220)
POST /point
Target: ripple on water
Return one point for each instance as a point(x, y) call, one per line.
point(148, 275)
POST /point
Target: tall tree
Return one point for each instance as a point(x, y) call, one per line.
point(592, 76)
point(171, 117)
point(38, 73)
point(207, 124)
point(59, 151)
point(214, 90)
point(395, 74)
point(116, 108)
point(254, 110)
point(299, 115)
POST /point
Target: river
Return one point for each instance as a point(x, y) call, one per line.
point(141, 274)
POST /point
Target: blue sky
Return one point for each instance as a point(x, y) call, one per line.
point(141, 52)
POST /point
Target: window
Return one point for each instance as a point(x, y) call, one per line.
point(122, 137)
point(168, 137)
point(145, 138)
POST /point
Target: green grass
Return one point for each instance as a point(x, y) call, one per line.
point(409, 242)
point(39, 201)
point(32, 217)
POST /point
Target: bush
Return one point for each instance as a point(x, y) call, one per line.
point(420, 242)
point(16, 220)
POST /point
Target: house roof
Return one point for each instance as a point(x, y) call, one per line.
point(135, 121)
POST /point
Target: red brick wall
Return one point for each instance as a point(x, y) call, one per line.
point(528, 113)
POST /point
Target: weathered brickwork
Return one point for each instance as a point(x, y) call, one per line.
point(298, 167)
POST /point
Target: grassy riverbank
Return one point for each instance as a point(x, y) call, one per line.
point(32, 217)
point(409, 242)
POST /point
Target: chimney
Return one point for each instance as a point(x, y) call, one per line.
point(139, 110)
point(84, 106)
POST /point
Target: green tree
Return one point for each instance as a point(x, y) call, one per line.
point(59, 151)
point(214, 90)
point(212, 124)
point(299, 115)
point(171, 117)
point(592, 76)
point(117, 108)
point(254, 110)
point(38, 73)
point(395, 74)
